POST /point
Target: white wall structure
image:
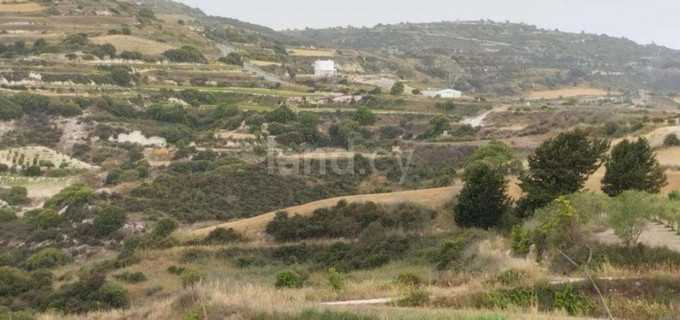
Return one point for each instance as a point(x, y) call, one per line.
point(445, 93)
point(325, 68)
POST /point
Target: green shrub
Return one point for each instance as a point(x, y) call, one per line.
point(16, 195)
point(335, 279)
point(7, 215)
point(131, 277)
point(48, 258)
point(288, 279)
point(416, 298)
point(33, 171)
point(165, 227)
point(190, 277)
point(410, 279)
point(46, 219)
point(671, 140)
point(194, 255)
point(520, 296)
point(248, 261)
point(575, 303)
point(109, 220)
point(520, 240)
point(674, 195)
point(14, 281)
point(223, 236)
point(7, 259)
point(509, 277)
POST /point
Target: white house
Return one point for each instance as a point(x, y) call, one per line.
point(325, 68)
point(445, 93)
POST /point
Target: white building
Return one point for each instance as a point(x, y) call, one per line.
point(445, 93)
point(325, 68)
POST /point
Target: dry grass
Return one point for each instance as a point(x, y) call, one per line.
point(259, 63)
point(566, 93)
point(20, 7)
point(311, 53)
point(131, 43)
point(432, 198)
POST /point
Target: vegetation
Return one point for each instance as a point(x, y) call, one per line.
point(483, 201)
point(633, 166)
point(559, 166)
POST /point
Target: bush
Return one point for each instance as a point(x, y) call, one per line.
point(46, 219)
point(109, 220)
point(671, 140)
point(7, 215)
point(674, 195)
point(288, 279)
point(194, 255)
point(165, 227)
point(14, 281)
point(17, 195)
point(223, 236)
point(630, 214)
point(7, 259)
point(48, 258)
point(335, 279)
point(416, 298)
point(190, 277)
point(131, 277)
point(520, 240)
point(411, 279)
point(185, 54)
point(33, 171)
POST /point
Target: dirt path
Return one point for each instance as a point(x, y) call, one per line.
point(656, 235)
point(432, 198)
point(357, 302)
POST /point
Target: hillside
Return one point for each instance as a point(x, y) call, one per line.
point(483, 55)
point(157, 162)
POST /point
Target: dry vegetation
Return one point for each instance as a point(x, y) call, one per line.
point(566, 93)
point(131, 43)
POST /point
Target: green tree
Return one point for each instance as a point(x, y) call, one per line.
point(33, 171)
point(483, 200)
point(364, 116)
point(435, 127)
point(559, 166)
point(109, 50)
point(630, 215)
point(397, 88)
point(121, 77)
point(232, 58)
point(109, 220)
point(632, 165)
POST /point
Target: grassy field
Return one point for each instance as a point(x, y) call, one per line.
point(565, 93)
point(433, 198)
point(130, 43)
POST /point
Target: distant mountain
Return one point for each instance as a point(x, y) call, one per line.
point(493, 53)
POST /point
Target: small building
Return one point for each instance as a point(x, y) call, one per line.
point(444, 93)
point(325, 68)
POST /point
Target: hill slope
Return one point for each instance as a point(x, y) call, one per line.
point(467, 53)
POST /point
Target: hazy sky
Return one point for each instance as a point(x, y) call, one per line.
point(643, 21)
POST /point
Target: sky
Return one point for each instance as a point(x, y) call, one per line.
point(651, 21)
